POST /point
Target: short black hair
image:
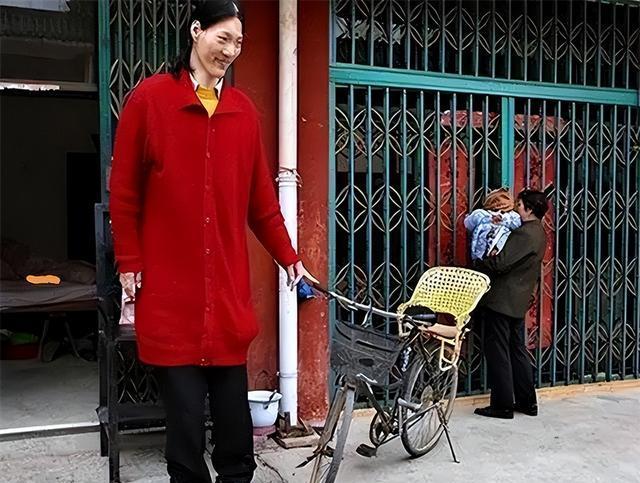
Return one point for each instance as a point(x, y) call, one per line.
point(534, 200)
point(208, 13)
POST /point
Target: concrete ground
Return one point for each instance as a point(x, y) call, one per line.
point(34, 393)
point(587, 437)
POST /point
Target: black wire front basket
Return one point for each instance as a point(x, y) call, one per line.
point(358, 350)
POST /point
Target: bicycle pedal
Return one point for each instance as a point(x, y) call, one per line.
point(366, 451)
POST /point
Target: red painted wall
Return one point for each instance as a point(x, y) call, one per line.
point(256, 73)
point(313, 157)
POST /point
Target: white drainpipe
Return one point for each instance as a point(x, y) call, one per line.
point(288, 184)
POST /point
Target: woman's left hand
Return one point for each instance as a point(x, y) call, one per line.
point(296, 272)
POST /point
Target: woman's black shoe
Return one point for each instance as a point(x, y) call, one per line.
point(531, 410)
point(490, 412)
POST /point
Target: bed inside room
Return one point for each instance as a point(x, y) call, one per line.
point(48, 317)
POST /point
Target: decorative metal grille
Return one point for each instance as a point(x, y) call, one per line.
point(145, 36)
point(410, 163)
point(137, 383)
point(595, 294)
point(391, 148)
point(561, 41)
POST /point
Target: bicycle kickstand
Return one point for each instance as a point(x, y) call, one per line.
point(445, 425)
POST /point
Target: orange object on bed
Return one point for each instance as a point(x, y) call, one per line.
point(43, 279)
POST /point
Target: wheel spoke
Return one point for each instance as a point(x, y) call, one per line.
point(417, 429)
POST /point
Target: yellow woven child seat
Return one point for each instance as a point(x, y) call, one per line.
point(449, 290)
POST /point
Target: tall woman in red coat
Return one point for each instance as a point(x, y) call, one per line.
point(189, 173)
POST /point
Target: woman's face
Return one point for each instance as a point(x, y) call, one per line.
point(522, 211)
point(218, 46)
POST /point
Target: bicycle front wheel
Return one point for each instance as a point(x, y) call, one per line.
point(432, 392)
point(330, 448)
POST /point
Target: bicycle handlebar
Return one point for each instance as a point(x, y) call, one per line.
point(418, 319)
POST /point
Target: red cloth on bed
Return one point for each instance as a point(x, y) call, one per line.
point(183, 187)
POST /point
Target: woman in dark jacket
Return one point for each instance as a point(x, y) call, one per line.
point(514, 273)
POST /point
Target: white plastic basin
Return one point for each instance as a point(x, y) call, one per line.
point(264, 407)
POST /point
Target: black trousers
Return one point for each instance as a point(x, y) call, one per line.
point(508, 364)
point(184, 389)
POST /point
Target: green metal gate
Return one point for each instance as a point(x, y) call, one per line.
point(435, 102)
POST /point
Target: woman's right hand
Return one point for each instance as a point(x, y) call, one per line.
point(130, 282)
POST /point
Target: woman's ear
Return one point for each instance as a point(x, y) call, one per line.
point(195, 30)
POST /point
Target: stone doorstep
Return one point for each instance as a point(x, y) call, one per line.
point(544, 393)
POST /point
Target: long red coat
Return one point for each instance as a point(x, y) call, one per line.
point(183, 187)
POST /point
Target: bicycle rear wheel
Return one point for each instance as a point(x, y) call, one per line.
point(328, 459)
point(431, 391)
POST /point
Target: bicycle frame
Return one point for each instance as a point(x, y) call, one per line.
point(363, 385)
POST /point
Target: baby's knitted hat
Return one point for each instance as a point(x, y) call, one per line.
point(499, 200)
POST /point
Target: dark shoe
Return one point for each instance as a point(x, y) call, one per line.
point(490, 412)
point(530, 410)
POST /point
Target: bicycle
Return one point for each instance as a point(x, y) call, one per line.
point(421, 361)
